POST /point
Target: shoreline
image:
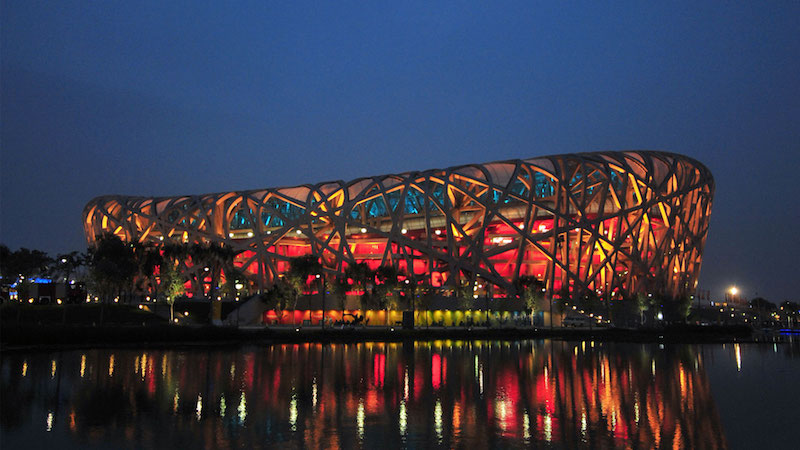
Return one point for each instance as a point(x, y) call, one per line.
point(50, 337)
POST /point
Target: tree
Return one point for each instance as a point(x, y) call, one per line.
point(24, 263)
point(762, 307)
point(589, 301)
point(147, 258)
point(300, 269)
point(631, 305)
point(200, 255)
point(233, 278)
point(361, 275)
point(642, 303)
point(66, 264)
point(220, 259)
point(762, 304)
point(112, 265)
point(21, 266)
point(5, 259)
point(418, 292)
point(341, 287)
point(531, 289)
point(387, 283)
point(177, 252)
point(276, 297)
point(683, 305)
point(172, 283)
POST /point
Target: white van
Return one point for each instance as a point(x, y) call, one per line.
point(576, 322)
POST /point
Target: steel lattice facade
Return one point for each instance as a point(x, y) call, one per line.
point(612, 222)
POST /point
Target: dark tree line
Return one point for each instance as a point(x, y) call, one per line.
point(114, 270)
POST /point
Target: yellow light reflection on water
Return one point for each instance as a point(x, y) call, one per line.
point(682, 381)
point(293, 411)
point(52, 368)
point(222, 405)
point(242, 408)
point(83, 365)
point(584, 425)
point(437, 419)
point(402, 420)
point(456, 420)
point(480, 378)
point(502, 406)
point(360, 419)
point(24, 368)
point(405, 385)
point(111, 366)
point(314, 392)
point(198, 409)
point(526, 427)
point(144, 365)
point(738, 350)
point(548, 428)
point(50, 418)
point(175, 401)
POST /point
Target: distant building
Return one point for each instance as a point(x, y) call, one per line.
point(43, 291)
point(608, 222)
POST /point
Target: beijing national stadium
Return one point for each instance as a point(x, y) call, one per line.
point(610, 222)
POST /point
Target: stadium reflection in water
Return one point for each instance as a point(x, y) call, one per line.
point(349, 395)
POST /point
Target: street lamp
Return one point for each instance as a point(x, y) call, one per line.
point(732, 292)
point(321, 277)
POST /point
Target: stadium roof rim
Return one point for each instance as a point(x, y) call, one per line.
point(585, 155)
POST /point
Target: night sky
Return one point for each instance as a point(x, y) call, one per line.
point(168, 98)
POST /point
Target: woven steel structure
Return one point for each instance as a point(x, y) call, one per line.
point(610, 222)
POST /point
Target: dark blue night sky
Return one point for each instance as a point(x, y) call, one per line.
point(166, 98)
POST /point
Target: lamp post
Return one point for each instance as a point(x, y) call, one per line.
point(322, 279)
point(412, 292)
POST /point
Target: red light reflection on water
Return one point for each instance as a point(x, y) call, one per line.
point(461, 394)
point(379, 369)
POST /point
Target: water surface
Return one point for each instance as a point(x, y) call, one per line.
point(450, 394)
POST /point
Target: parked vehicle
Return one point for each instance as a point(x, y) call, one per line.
point(575, 321)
